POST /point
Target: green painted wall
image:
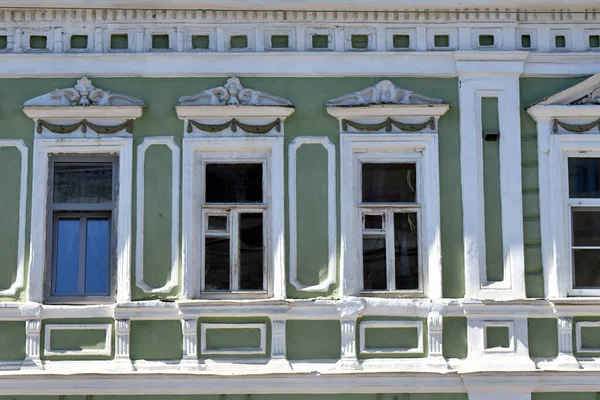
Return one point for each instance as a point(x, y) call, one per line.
point(313, 340)
point(10, 177)
point(543, 337)
point(532, 90)
point(563, 396)
point(234, 338)
point(454, 334)
point(12, 341)
point(308, 95)
point(156, 340)
point(494, 256)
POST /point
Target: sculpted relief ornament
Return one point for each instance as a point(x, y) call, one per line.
point(83, 100)
point(233, 95)
point(385, 95)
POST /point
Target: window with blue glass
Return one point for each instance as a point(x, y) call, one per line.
point(81, 216)
point(584, 204)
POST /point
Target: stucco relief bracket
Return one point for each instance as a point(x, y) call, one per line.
point(140, 190)
point(19, 278)
point(331, 213)
point(575, 128)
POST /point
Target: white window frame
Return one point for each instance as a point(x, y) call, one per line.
point(265, 149)
point(43, 149)
point(421, 148)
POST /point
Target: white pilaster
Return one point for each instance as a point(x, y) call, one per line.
point(190, 343)
point(278, 360)
point(122, 329)
point(477, 81)
point(349, 359)
point(32, 343)
point(434, 328)
point(565, 359)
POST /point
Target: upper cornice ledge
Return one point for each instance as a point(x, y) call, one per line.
point(372, 5)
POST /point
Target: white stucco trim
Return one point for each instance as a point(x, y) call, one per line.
point(260, 350)
point(139, 230)
point(105, 351)
point(272, 147)
point(420, 147)
point(578, 339)
point(410, 64)
point(20, 275)
point(418, 325)
point(210, 112)
point(42, 149)
point(471, 92)
point(79, 112)
point(331, 213)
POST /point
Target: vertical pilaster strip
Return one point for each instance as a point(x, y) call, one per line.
point(349, 359)
point(32, 341)
point(565, 359)
point(122, 329)
point(434, 329)
point(190, 338)
point(278, 339)
point(472, 88)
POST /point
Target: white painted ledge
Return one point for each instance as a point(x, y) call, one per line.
point(402, 110)
point(192, 112)
point(97, 112)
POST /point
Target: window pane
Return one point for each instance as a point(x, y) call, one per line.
point(389, 183)
point(374, 263)
point(67, 256)
point(406, 250)
point(251, 251)
point(234, 183)
point(217, 222)
point(82, 183)
point(97, 256)
point(216, 263)
point(586, 264)
point(373, 221)
point(586, 228)
point(584, 177)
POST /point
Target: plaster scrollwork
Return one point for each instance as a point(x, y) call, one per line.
point(233, 94)
point(384, 92)
point(592, 98)
point(83, 94)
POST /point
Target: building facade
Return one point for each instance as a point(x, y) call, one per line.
point(352, 200)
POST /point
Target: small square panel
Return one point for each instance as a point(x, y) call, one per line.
point(200, 42)
point(497, 336)
point(238, 42)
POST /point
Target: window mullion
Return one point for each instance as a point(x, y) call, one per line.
point(235, 251)
point(389, 249)
point(82, 254)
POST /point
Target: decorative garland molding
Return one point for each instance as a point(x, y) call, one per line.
point(387, 125)
point(84, 125)
point(140, 191)
point(234, 124)
point(331, 213)
point(575, 128)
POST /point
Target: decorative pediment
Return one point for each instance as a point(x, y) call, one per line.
point(573, 110)
point(82, 108)
point(374, 110)
point(235, 109)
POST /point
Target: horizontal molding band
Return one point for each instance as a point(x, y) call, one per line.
point(307, 309)
point(294, 64)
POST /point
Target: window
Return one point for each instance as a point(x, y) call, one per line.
point(234, 230)
point(584, 207)
point(81, 210)
point(389, 214)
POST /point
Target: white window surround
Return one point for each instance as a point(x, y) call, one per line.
point(418, 325)
point(553, 150)
point(217, 106)
point(260, 350)
point(268, 149)
point(43, 148)
point(511, 337)
point(83, 102)
point(578, 340)
point(105, 351)
point(372, 106)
